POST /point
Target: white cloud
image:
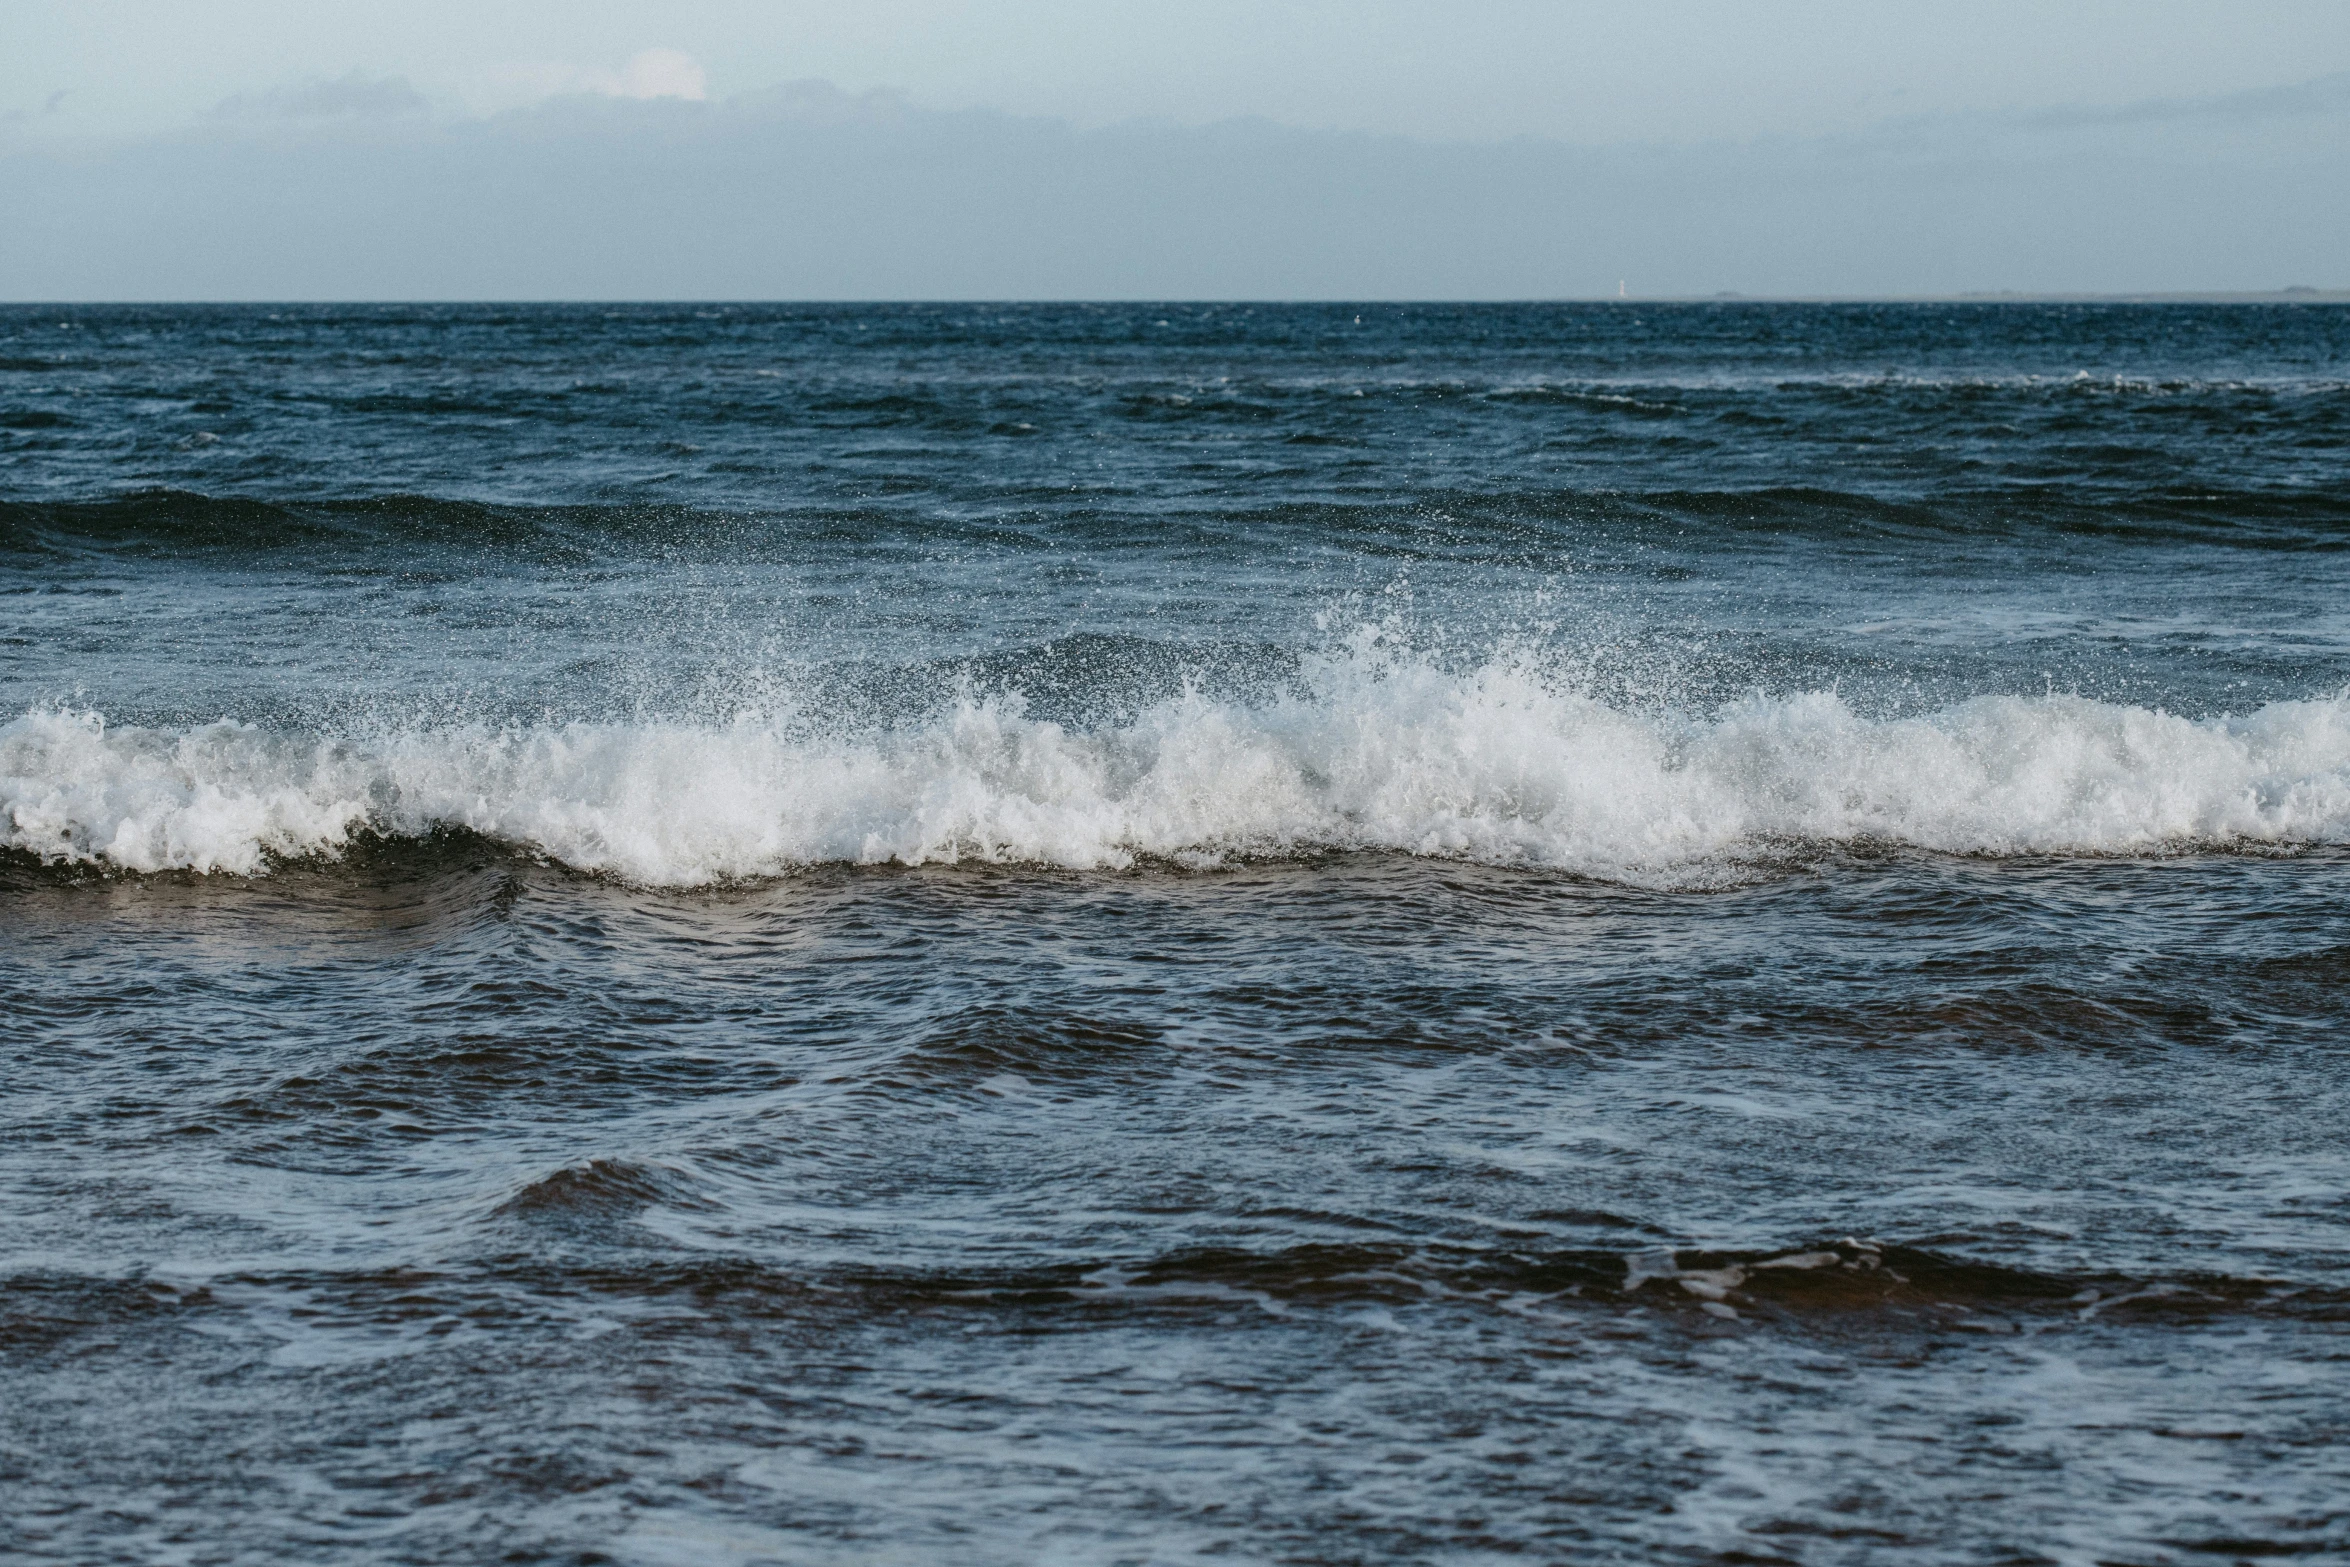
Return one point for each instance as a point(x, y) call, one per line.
point(651, 73)
point(659, 73)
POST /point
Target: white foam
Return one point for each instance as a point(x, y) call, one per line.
point(1501, 763)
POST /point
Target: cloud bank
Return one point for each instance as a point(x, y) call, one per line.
point(355, 93)
point(633, 185)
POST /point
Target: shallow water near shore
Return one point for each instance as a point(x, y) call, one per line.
point(1148, 933)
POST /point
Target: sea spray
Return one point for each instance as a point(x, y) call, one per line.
point(1497, 763)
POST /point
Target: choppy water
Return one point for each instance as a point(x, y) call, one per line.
point(1129, 934)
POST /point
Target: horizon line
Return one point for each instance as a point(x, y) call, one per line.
point(2297, 294)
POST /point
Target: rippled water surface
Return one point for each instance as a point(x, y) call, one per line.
point(1149, 933)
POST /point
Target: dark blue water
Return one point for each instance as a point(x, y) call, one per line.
point(1131, 934)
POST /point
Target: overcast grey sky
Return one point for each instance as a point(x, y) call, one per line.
point(242, 148)
point(1623, 70)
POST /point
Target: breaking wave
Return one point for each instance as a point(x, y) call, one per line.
point(1502, 763)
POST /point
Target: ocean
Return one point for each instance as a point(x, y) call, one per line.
point(1145, 933)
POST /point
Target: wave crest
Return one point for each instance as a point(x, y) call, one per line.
point(1501, 764)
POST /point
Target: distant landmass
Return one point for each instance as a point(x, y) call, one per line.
point(2298, 294)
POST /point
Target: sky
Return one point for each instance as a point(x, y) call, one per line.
point(1043, 148)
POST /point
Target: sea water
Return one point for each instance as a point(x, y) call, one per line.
point(1127, 934)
